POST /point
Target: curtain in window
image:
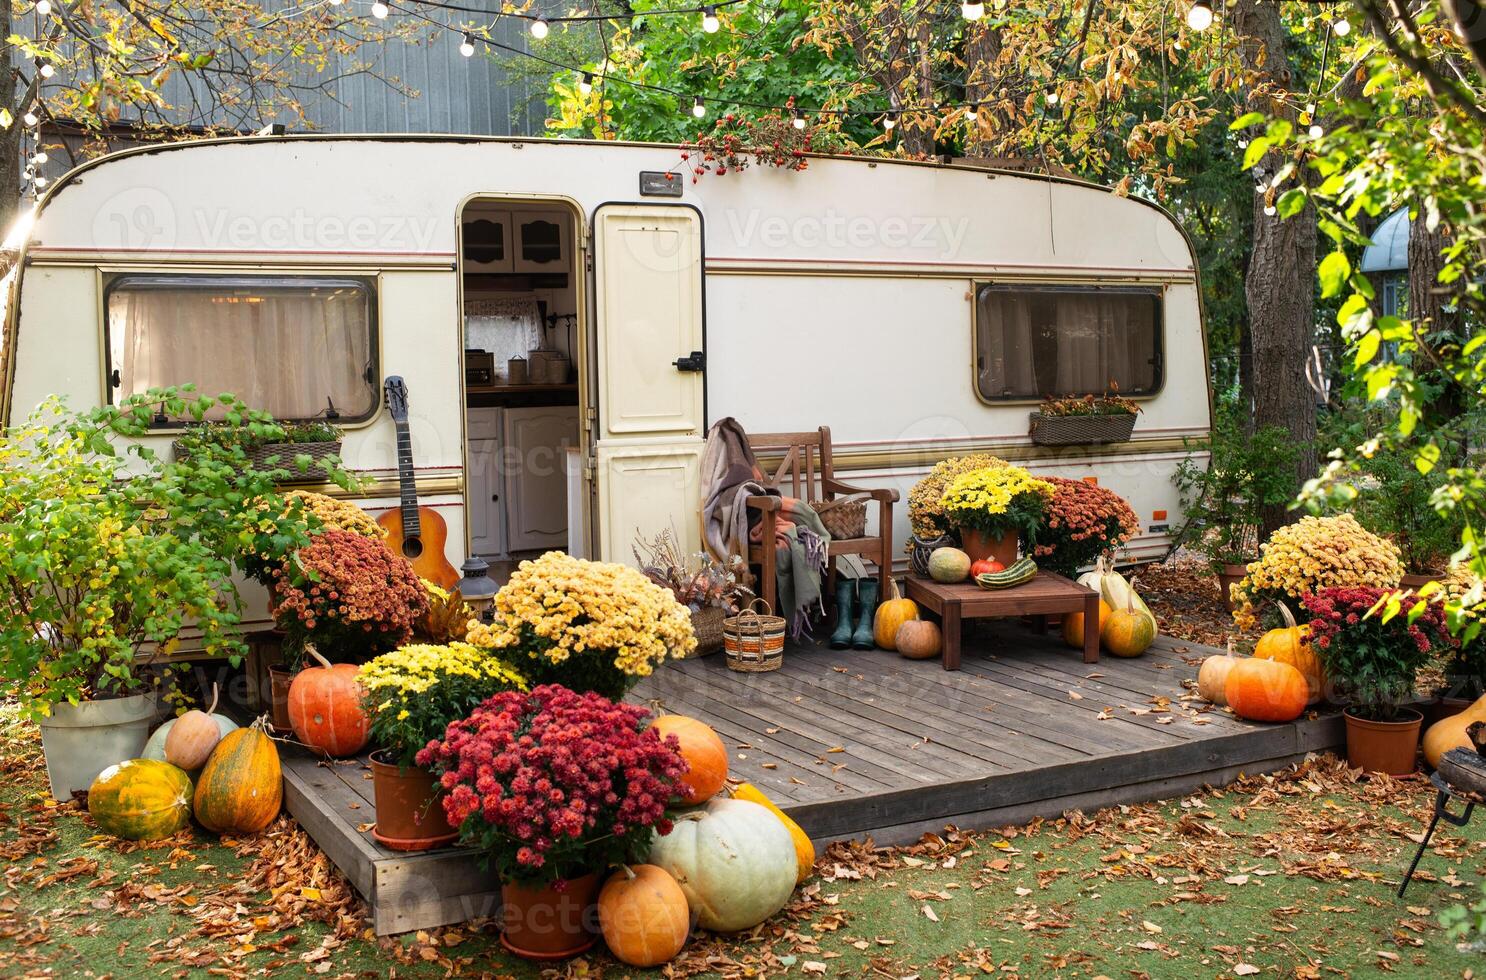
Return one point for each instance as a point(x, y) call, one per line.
point(1064, 341)
point(506, 327)
point(291, 351)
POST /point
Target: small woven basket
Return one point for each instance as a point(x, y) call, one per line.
point(707, 625)
point(284, 455)
point(1080, 430)
point(845, 517)
point(753, 640)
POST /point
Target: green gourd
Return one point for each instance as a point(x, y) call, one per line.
point(1020, 572)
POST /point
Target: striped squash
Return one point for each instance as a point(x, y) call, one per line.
point(242, 785)
point(142, 799)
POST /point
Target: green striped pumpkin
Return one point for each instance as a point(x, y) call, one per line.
point(242, 784)
point(142, 799)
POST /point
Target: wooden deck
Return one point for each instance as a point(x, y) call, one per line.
point(854, 743)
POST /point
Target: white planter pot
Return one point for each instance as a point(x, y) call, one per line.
point(82, 740)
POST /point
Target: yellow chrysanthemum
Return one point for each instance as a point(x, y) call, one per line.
point(925, 512)
point(1312, 554)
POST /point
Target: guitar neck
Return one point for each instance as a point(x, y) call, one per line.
point(409, 486)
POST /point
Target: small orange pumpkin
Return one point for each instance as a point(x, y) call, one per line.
point(1129, 631)
point(919, 639)
point(193, 736)
point(706, 757)
point(643, 915)
point(1073, 625)
point(1290, 644)
point(325, 708)
point(892, 612)
point(1212, 677)
point(1266, 690)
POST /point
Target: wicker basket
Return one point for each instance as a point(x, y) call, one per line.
point(844, 517)
point(283, 455)
point(1078, 430)
point(707, 625)
point(754, 641)
point(919, 550)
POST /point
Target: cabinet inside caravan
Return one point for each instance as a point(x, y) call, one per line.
point(519, 272)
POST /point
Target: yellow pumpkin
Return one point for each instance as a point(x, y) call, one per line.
point(1449, 733)
point(1290, 644)
point(892, 612)
point(1073, 625)
point(804, 849)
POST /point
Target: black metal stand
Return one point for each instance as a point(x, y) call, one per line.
point(1441, 812)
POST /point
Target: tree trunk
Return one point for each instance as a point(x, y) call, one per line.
point(1280, 283)
point(981, 53)
point(1438, 327)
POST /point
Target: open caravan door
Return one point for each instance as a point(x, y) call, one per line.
point(651, 398)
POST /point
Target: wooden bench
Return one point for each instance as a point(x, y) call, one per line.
point(1047, 593)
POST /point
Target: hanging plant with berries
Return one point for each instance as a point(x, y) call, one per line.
point(734, 143)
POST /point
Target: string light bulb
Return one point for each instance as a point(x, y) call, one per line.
point(1316, 131)
point(797, 120)
point(43, 7)
point(972, 10)
point(1269, 210)
point(710, 23)
point(30, 118)
point(1052, 93)
point(380, 10)
point(1200, 15)
point(39, 157)
point(45, 69)
point(585, 84)
point(40, 181)
point(336, 3)
point(973, 111)
point(467, 45)
point(889, 120)
point(539, 28)
point(1341, 27)
point(698, 107)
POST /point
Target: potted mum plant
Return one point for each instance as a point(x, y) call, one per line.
point(555, 787)
point(1083, 522)
point(588, 625)
point(1312, 554)
point(107, 555)
point(411, 695)
point(1372, 642)
point(931, 529)
point(1075, 420)
point(994, 509)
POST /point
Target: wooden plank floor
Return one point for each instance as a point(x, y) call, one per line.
point(865, 743)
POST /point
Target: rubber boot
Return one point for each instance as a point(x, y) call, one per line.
point(846, 593)
point(863, 639)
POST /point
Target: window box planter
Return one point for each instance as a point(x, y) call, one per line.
point(1076, 430)
point(281, 456)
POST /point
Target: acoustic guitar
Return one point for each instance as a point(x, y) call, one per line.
point(417, 533)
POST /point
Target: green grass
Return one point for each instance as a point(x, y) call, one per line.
point(1289, 877)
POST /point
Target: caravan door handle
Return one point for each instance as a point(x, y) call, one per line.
point(694, 362)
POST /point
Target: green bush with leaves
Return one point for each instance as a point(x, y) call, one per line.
point(1224, 500)
point(108, 554)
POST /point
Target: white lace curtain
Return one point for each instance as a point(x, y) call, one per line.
point(505, 326)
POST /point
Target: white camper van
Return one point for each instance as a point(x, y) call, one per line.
point(569, 317)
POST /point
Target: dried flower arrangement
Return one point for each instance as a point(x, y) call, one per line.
point(701, 581)
point(1109, 403)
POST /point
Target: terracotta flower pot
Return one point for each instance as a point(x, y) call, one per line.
point(548, 923)
point(410, 811)
point(279, 679)
point(1417, 580)
point(980, 545)
point(1228, 577)
point(1384, 746)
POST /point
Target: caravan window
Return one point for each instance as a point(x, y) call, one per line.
point(298, 347)
point(1032, 341)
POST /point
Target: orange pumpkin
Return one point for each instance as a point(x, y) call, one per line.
point(242, 786)
point(193, 737)
point(919, 639)
point(1290, 644)
point(1073, 625)
point(643, 915)
point(1266, 690)
point(706, 757)
point(325, 708)
point(892, 612)
point(1212, 679)
point(1128, 631)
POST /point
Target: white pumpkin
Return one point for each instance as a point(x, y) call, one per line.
point(734, 860)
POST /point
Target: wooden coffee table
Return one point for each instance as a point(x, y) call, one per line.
point(1047, 593)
